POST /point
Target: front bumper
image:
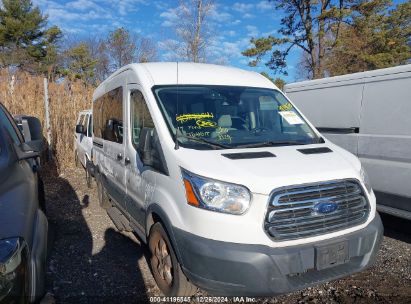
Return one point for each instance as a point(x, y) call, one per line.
point(223, 268)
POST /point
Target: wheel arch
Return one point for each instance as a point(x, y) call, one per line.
point(156, 214)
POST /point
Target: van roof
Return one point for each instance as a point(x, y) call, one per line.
point(171, 73)
point(361, 77)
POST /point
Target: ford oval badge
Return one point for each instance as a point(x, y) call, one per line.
point(325, 207)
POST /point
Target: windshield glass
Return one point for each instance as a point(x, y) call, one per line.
point(221, 117)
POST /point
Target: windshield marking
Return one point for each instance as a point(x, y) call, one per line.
point(206, 123)
point(285, 107)
point(187, 117)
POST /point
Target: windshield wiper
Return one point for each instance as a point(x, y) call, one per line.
point(271, 144)
point(205, 141)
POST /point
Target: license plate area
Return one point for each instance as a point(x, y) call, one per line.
point(331, 255)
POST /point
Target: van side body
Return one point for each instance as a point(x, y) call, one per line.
point(261, 250)
point(83, 142)
point(369, 114)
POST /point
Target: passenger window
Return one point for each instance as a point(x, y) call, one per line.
point(140, 115)
point(108, 116)
point(10, 129)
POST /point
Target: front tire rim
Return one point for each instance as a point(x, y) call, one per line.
point(162, 262)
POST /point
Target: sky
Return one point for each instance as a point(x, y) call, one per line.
point(233, 23)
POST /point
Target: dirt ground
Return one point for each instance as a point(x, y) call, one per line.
point(91, 262)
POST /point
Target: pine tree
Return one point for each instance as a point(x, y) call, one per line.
point(377, 38)
point(25, 42)
point(79, 63)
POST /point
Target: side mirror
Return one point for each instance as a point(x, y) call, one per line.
point(24, 151)
point(150, 151)
point(80, 129)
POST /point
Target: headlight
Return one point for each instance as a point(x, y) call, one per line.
point(13, 269)
point(365, 179)
point(215, 195)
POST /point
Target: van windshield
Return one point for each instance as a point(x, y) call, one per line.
point(210, 117)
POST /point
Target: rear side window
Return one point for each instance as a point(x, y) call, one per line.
point(140, 116)
point(108, 116)
point(11, 129)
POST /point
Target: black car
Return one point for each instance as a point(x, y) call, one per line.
point(23, 225)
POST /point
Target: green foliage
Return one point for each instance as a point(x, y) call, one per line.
point(25, 41)
point(280, 83)
point(80, 63)
point(376, 39)
point(336, 37)
point(304, 26)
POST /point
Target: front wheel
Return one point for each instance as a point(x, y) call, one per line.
point(165, 267)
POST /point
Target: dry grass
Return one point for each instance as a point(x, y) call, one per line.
point(22, 93)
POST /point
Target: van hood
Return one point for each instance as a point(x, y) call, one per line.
point(288, 166)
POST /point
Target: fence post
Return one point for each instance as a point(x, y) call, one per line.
point(48, 128)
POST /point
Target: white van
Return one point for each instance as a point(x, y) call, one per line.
point(83, 142)
point(369, 114)
point(231, 187)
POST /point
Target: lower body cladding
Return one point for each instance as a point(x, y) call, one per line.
point(232, 269)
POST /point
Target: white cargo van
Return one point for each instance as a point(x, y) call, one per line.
point(369, 114)
point(83, 143)
point(231, 187)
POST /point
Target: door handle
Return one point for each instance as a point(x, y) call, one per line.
point(126, 160)
point(119, 156)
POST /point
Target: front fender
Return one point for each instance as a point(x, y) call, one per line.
point(154, 208)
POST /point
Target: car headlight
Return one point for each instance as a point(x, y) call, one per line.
point(215, 195)
point(365, 179)
point(13, 269)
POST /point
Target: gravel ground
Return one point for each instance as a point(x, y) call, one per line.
point(91, 262)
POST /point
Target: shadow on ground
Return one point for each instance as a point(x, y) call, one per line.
point(85, 266)
point(396, 228)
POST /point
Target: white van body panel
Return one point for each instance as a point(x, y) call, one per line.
point(83, 143)
point(377, 103)
point(144, 188)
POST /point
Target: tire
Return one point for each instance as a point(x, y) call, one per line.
point(103, 199)
point(165, 267)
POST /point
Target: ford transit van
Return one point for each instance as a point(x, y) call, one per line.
point(233, 190)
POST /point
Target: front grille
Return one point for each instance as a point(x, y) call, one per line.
point(294, 213)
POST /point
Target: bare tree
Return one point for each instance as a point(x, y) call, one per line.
point(192, 30)
point(121, 47)
point(124, 47)
point(146, 50)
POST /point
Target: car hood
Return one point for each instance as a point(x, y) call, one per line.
point(261, 175)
